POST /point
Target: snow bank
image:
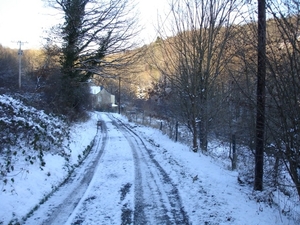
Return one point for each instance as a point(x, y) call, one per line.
point(37, 152)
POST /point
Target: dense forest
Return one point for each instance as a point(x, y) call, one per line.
point(202, 77)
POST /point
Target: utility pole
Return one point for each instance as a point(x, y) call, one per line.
point(20, 53)
point(261, 95)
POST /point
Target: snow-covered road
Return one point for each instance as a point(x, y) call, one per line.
point(119, 183)
point(137, 175)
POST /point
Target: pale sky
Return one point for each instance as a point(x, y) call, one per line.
point(26, 21)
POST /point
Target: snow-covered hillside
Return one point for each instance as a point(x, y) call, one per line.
point(37, 153)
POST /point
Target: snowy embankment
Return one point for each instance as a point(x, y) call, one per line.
point(31, 169)
point(210, 192)
point(37, 153)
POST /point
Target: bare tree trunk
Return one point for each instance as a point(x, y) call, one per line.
point(233, 154)
point(203, 134)
point(195, 136)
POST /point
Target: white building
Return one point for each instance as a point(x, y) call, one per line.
point(102, 99)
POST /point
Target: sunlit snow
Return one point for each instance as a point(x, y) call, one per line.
point(210, 193)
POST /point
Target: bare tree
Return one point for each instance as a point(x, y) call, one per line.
point(94, 29)
point(283, 108)
point(195, 57)
point(94, 36)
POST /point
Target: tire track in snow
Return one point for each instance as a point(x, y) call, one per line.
point(69, 195)
point(157, 200)
point(109, 198)
point(139, 214)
